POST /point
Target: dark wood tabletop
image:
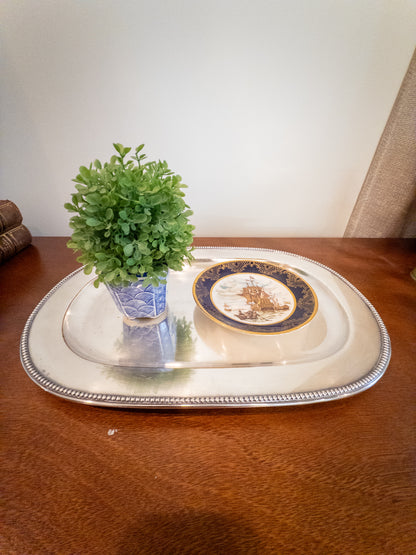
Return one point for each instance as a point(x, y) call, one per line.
point(327, 478)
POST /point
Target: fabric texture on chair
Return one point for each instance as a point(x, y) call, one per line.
point(386, 205)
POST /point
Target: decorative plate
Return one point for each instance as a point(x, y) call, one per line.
point(255, 297)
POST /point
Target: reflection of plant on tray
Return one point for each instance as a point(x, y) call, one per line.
point(167, 341)
point(185, 342)
point(148, 376)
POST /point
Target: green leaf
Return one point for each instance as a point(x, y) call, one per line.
point(93, 198)
point(110, 276)
point(143, 248)
point(85, 172)
point(118, 147)
point(92, 222)
point(140, 218)
point(70, 207)
point(97, 164)
point(92, 208)
point(126, 228)
point(128, 249)
point(102, 266)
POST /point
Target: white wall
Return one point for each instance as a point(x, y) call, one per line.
point(270, 110)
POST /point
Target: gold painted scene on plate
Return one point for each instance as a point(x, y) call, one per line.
point(253, 299)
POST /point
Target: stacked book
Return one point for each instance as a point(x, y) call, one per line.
point(14, 236)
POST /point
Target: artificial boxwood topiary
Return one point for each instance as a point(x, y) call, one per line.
point(130, 219)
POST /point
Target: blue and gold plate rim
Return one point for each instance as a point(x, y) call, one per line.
point(252, 279)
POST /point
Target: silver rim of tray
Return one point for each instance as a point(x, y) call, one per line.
point(278, 399)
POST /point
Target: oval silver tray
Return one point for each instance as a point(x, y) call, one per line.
point(77, 346)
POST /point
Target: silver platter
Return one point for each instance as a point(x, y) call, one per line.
point(77, 346)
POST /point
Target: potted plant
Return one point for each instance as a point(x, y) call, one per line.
point(131, 224)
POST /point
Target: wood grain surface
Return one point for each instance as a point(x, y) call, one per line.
point(328, 478)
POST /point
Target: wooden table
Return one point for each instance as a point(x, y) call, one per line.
point(332, 477)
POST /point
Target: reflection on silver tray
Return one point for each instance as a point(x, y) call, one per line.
point(76, 344)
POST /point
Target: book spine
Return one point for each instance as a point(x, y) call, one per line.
point(13, 241)
point(10, 215)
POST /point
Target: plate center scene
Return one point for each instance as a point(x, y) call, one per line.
point(253, 299)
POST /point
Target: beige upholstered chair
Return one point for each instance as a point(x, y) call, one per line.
point(386, 205)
